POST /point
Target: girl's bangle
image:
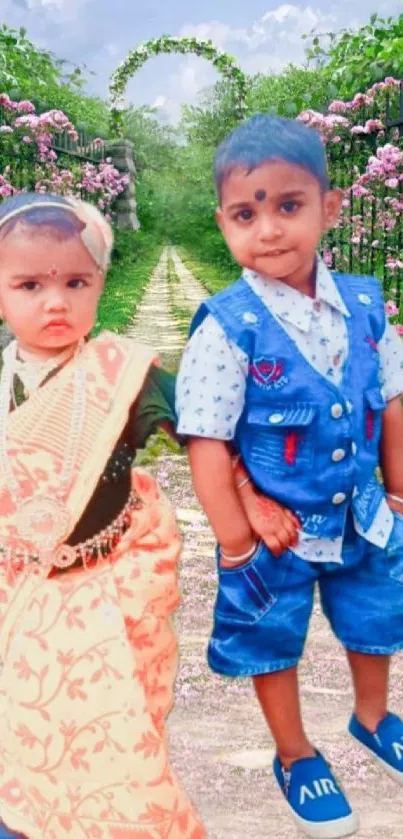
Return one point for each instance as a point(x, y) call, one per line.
point(242, 557)
point(397, 498)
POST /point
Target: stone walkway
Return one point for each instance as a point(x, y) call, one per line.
point(219, 742)
point(153, 323)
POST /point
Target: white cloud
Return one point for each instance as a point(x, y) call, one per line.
point(159, 102)
point(287, 23)
point(170, 111)
point(45, 4)
point(85, 30)
point(219, 33)
point(193, 75)
point(268, 45)
point(59, 11)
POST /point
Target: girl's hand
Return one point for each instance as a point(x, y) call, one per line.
point(274, 524)
point(395, 506)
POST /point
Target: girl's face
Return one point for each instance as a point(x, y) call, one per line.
point(49, 290)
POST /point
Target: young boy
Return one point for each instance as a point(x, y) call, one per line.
point(300, 370)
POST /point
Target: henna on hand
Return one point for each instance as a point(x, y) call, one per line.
point(267, 509)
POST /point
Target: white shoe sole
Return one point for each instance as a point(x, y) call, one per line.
point(327, 830)
point(393, 773)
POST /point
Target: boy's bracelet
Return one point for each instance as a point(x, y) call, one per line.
point(243, 483)
point(240, 472)
point(241, 557)
point(397, 498)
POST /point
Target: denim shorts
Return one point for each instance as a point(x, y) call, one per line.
point(263, 608)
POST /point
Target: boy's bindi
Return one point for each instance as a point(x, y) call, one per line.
point(260, 194)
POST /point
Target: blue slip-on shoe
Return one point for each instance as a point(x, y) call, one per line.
point(386, 745)
point(318, 805)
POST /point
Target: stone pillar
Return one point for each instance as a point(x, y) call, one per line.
point(121, 154)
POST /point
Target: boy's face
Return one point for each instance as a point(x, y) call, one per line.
point(273, 219)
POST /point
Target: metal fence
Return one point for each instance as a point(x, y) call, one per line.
point(375, 226)
point(86, 147)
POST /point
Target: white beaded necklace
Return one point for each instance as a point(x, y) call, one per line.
point(42, 521)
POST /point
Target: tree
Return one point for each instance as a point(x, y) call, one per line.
point(291, 91)
point(28, 72)
point(354, 60)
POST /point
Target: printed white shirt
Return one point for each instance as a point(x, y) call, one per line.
point(212, 376)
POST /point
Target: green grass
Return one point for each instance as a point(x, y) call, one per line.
point(182, 314)
point(160, 443)
point(157, 445)
point(213, 276)
point(134, 257)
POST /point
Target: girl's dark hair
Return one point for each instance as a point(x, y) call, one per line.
point(61, 223)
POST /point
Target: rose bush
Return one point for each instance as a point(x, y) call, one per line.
point(28, 159)
point(369, 232)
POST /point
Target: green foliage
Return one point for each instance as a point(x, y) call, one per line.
point(353, 60)
point(155, 149)
point(23, 63)
point(286, 94)
point(155, 144)
point(290, 92)
point(134, 257)
point(166, 44)
point(208, 122)
point(158, 445)
point(214, 273)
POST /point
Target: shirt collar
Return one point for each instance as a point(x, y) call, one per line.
point(289, 304)
point(327, 291)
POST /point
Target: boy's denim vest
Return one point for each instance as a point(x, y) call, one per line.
point(306, 442)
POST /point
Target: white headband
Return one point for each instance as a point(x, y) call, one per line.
point(97, 235)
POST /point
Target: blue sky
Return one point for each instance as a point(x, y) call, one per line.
point(263, 35)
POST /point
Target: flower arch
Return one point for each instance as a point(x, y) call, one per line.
point(166, 44)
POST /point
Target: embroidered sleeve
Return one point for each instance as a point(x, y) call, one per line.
point(391, 357)
point(210, 387)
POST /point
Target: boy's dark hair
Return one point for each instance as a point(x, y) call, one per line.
point(264, 138)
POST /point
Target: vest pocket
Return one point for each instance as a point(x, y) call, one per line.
point(374, 405)
point(281, 438)
point(247, 593)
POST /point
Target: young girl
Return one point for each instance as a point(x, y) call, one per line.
point(88, 549)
